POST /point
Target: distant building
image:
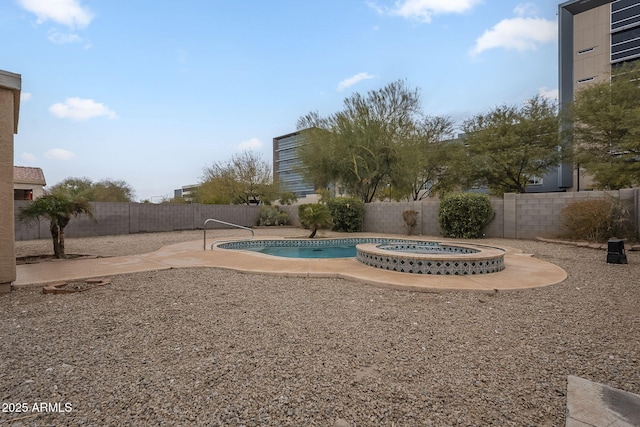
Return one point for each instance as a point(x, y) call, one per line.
point(287, 165)
point(186, 192)
point(594, 37)
point(28, 183)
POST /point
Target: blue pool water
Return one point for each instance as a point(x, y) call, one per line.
point(308, 251)
point(331, 248)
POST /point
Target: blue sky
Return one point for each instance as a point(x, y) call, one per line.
point(151, 92)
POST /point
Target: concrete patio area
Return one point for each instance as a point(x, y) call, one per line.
point(521, 270)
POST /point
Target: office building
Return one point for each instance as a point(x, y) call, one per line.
point(594, 37)
point(287, 165)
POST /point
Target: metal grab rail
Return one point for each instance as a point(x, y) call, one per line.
point(225, 223)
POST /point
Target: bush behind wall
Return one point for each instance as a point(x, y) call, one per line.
point(347, 214)
point(597, 220)
point(465, 215)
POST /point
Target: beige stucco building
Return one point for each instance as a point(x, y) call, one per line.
point(10, 86)
point(595, 36)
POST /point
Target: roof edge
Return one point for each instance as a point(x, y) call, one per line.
point(12, 82)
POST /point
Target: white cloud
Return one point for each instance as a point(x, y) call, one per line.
point(66, 12)
point(59, 154)
point(348, 82)
point(81, 109)
point(551, 94)
point(424, 10)
point(66, 38)
point(526, 9)
point(25, 96)
point(28, 157)
point(250, 144)
point(518, 34)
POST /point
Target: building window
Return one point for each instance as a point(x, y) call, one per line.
point(587, 50)
point(625, 44)
point(624, 14)
point(22, 195)
point(588, 79)
point(535, 180)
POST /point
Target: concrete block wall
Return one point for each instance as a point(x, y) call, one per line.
point(386, 217)
point(292, 211)
point(247, 216)
point(128, 218)
point(430, 225)
point(518, 216)
point(111, 218)
point(164, 217)
point(540, 214)
point(496, 227)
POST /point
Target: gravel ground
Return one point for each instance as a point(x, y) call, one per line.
point(218, 348)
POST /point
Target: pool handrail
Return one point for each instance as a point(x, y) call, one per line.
point(225, 223)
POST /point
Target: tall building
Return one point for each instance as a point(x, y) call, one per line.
point(594, 36)
point(287, 165)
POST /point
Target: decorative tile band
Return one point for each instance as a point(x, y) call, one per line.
point(444, 260)
point(250, 244)
point(407, 256)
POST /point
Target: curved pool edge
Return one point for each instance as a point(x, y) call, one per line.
point(527, 272)
point(478, 260)
point(522, 271)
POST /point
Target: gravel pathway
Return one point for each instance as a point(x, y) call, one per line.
point(218, 348)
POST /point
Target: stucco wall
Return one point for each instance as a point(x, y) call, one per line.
point(9, 86)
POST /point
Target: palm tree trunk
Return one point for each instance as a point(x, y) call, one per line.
point(314, 229)
point(61, 243)
point(56, 243)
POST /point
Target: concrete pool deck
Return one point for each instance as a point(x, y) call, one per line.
point(522, 271)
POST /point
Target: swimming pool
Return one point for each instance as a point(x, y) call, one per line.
point(308, 252)
point(407, 256)
point(326, 248)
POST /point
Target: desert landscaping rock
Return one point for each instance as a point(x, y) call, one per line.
point(216, 348)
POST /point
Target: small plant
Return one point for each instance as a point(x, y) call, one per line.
point(270, 215)
point(347, 214)
point(314, 216)
point(597, 220)
point(410, 218)
point(465, 215)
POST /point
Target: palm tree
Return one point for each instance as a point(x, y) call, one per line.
point(315, 216)
point(58, 209)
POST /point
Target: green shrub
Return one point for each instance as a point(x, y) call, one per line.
point(410, 218)
point(347, 214)
point(597, 220)
point(465, 215)
point(270, 215)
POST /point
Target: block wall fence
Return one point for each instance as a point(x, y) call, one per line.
point(131, 218)
point(518, 216)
